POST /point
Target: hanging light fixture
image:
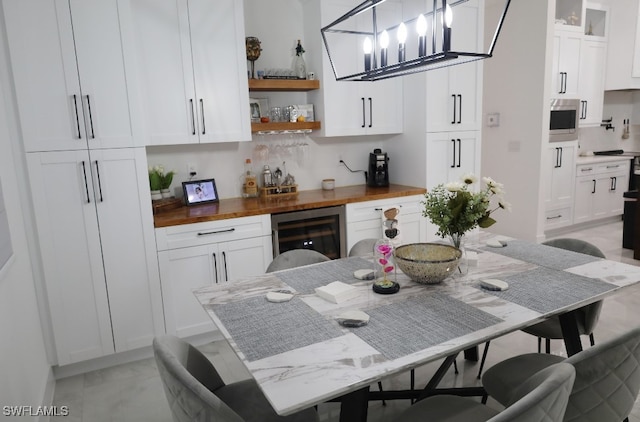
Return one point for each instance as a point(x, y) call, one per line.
point(427, 47)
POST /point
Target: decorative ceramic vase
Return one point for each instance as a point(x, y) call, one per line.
point(156, 195)
point(384, 268)
point(166, 193)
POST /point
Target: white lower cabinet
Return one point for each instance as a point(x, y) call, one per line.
point(95, 232)
point(204, 254)
point(364, 219)
point(559, 182)
point(599, 190)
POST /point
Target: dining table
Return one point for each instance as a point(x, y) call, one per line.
point(300, 355)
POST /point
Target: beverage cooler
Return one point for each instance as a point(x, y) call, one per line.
point(321, 229)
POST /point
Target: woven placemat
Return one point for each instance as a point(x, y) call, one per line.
point(417, 323)
point(545, 289)
point(306, 279)
point(262, 329)
point(542, 255)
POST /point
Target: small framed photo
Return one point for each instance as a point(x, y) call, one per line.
point(306, 110)
point(259, 107)
point(200, 191)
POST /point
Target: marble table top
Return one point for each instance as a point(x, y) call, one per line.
point(300, 356)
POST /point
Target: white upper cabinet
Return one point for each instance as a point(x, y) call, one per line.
point(566, 64)
point(623, 56)
point(348, 108)
point(454, 93)
point(192, 70)
point(70, 76)
point(592, 63)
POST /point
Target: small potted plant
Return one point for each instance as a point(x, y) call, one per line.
point(166, 179)
point(155, 182)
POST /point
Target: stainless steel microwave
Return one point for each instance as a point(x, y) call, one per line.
point(563, 124)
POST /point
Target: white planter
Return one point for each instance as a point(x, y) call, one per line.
point(166, 193)
point(155, 195)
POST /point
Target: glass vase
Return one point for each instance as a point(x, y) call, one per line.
point(384, 268)
point(457, 240)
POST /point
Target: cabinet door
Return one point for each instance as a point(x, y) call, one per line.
point(561, 163)
point(566, 65)
point(69, 241)
point(165, 70)
point(181, 271)
point(453, 92)
point(585, 189)
point(219, 68)
point(245, 258)
point(450, 155)
point(620, 184)
point(70, 78)
point(593, 57)
point(134, 300)
point(45, 74)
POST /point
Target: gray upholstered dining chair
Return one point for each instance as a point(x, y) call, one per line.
point(587, 316)
point(296, 258)
point(540, 398)
point(363, 247)
point(607, 378)
point(196, 392)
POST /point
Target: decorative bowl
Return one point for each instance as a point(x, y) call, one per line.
point(427, 263)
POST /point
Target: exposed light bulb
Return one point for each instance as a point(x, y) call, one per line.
point(421, 26)
point(448, 16)
point(402, 33)
point(384, 39)
point(367, 47)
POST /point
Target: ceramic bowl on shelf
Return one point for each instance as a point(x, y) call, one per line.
point(328, 184)
point(427, 263)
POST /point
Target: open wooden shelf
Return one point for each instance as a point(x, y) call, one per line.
point(258, 127)
point(283, 84)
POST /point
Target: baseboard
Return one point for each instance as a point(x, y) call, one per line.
point(581, 226)
point(73, 369)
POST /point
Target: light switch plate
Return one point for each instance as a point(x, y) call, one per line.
point(493, 119)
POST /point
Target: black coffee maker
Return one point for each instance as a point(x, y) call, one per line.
point(378, 169)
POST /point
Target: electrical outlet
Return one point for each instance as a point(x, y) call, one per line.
point(192, 170)
point(493, 119)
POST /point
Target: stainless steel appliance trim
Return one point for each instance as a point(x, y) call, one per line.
point(563, 104)
point(338, 210)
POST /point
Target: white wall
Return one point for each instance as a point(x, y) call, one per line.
point(278, 24)
point(25, 373)
point(515, 81)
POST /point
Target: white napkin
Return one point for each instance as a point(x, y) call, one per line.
point(337, 292)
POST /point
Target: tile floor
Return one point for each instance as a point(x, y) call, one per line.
point(133, 391)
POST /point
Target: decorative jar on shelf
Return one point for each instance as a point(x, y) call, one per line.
point(156, 195)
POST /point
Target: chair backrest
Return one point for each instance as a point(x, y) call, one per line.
point(363, 247)
point(541, 398)
point(607, 380)
point(589, 314)
point(296, 258)
point(190, 381)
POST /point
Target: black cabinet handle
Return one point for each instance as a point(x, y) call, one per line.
point(459, 108)
point(93, 135)
point(202, 111)
point(215, 266)
point(224, 262)
point(594, 187)
point(561, 151)
point(75, 106)
point(363, 113)
point(614, 183)
point(99, 182)
point(453, 122)
point(370, 112)
point(216, 232)
point(554, 217)
point(557, 158)
point(86, 184)
point(453, 163)
point(459, 152)
point(193, 117)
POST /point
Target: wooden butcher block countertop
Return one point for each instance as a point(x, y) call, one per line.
point(243, 207)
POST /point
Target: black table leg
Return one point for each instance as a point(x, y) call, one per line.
point(354, 406)
point(570, 333)
point(471, 354)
